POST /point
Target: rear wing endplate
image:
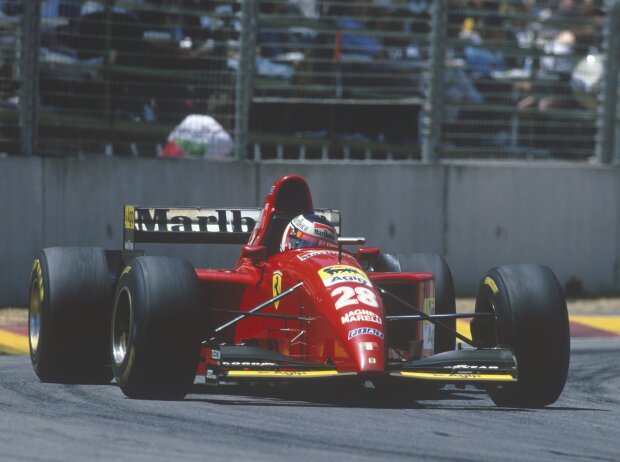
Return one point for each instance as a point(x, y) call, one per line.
point(195, 225)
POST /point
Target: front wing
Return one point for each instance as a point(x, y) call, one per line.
point(239, 363)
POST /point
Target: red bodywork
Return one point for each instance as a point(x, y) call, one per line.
point(344, 315)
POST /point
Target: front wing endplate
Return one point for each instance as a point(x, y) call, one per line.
point(476, 365)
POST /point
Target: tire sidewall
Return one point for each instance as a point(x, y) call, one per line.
point(38, 355)
point(74, 301)
point(131, 283)
point(164, 333)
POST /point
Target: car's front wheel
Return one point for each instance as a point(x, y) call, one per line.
point(532, 320)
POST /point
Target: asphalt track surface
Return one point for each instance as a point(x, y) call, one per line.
point(41, 421)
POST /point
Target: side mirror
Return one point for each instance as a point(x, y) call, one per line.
point(368, 253)
point(351, 241)
point(256, 253)
point(368, 257)
point(348, 241)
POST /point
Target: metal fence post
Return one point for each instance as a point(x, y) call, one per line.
point(433, 98)
point(28, 76)
point(608, 95)
point(245, 72)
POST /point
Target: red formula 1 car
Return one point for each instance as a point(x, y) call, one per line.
point(297, 306)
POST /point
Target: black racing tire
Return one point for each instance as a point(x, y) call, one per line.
point(445, 302)
point(532, 320)
point(69, 315)
point(156, 328)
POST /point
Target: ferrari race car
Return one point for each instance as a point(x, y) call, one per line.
point(297, 306)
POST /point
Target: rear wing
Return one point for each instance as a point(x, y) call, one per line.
point(195, 225)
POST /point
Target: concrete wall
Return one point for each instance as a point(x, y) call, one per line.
point(477, 214)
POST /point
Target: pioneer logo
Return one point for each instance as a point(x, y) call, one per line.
point(195, 220)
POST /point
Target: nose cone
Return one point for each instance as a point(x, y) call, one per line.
point(350, 306)
point(368, 349)
point(356, 313)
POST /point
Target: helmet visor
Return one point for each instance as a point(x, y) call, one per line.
point(300, 240)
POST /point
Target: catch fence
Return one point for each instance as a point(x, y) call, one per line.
point(311, 79)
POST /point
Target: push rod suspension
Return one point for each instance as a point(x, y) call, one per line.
point(263, 315)
point(440, 316)
point(425, 317)
point(259, 307)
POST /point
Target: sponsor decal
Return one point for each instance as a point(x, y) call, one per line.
point(325, 373)
point(324, 232)
point(130, 217)
point(491, 283)
point(313, 253)
point(337, 274)
point(213, 366)
point(319, 230)
point(301, 223)
point(452, 376)
point(354, 296)
point(247, 364)
point(428, 335)
point(127, 270)
point(368, 346)
point(428, 329)
point(195, 220)
point(276, 284)
point(365, 330)
point(372, 361)
point(341, 270)
point(361, 315)
point(36, 269)
point(429, 305)
point(471, 367)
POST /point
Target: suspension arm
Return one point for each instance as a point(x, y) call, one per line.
point(425, 317)
point(258, 308)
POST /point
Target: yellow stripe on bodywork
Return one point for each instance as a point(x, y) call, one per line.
point(449, 376)
point(282, 374)
point(605, 323)
point(13, 344)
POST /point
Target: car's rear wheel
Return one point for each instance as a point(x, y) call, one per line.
point(156, 333)
point(445, 302)
point(69, 315)
point(532, 320)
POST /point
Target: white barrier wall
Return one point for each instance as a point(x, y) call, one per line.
point(477, 214)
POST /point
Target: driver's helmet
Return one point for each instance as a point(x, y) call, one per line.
point(309, 230)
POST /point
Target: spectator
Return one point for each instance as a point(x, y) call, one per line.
point(355, 40)
point(274, 40)
point(481, 56)
point(170, 18)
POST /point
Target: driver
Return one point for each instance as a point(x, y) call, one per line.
point(309, 230)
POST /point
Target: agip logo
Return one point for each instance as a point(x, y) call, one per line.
point(336, 274)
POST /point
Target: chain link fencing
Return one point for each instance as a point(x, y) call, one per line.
point(310, 79)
